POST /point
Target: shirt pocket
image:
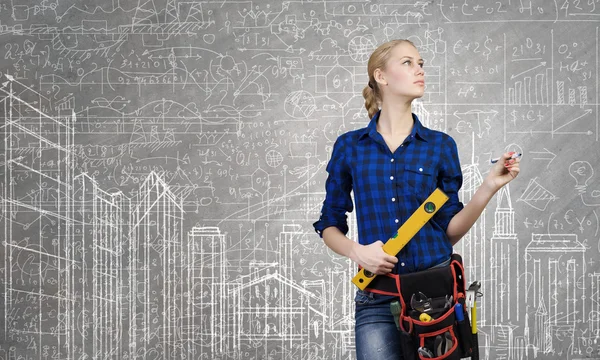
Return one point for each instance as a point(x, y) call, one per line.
point(418, 178)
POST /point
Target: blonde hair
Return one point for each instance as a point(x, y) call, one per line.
point(378, 59)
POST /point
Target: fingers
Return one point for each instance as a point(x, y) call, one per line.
point(512, 167)
point(385, 268)
point(512, 163)
point(387, 257)
point(505, 160)
point(387, 262)
point(507, 155)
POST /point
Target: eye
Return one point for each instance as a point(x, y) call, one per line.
point(421, 64)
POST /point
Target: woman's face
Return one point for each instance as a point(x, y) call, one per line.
point(404, 72)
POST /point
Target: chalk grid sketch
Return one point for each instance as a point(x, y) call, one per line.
point(163, 162)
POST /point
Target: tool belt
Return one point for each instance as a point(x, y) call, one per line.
point(434, 328)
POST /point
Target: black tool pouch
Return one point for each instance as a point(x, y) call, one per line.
point(442, 331)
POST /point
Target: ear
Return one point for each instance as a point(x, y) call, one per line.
point(378, 76)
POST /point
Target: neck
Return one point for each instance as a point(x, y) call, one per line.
point(395, 119)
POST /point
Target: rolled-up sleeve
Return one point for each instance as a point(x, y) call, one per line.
point(337, 192)
point(450, 181)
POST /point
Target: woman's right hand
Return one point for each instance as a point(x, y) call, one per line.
point(373, 258)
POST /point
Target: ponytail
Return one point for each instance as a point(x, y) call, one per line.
point(371, 102)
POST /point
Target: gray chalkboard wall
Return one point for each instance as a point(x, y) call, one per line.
point(163, 162)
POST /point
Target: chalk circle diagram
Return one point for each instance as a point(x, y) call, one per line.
point(299, 104)
point(274, 158)
point(360, 48)
point(29, 258)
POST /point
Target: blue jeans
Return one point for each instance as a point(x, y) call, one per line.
point(376, 334)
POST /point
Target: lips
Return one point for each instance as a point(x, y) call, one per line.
point(420, 82)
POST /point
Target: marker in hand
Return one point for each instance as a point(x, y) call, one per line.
point(514, 156)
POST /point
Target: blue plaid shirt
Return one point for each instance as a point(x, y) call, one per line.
point(388, 187)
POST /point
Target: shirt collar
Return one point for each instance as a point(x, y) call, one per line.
point(418, 130)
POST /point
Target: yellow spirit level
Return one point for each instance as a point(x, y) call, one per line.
point(406, 232)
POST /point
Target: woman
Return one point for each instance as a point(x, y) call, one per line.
point(393, 165)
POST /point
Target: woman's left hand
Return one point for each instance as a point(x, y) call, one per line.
point(504, 171)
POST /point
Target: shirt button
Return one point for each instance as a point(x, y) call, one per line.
point(402, 145)
point(420, 169)
point(402, 263)
point(391, 178)
point(392, 160)
point(397, 221)
point(393, 199)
